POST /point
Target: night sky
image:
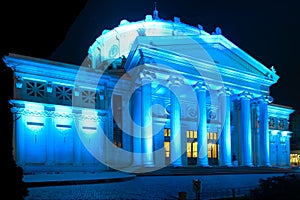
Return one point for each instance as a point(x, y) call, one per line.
point(58, 31)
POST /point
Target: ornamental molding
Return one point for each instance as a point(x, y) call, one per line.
point(225, 91)
point(146, 75)
point(262, 99)
point(174, 81)
point(245, 95)
point(93, 117)
point(53, 114)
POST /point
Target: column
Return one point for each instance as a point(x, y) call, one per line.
point(225, 137)
point(263, 132)
point(202, 159)
point(18, 137)
point(137, 135)
point(50, 136)
point(146, 118)
point(175, 122)
point(288, 150)
point(77, 143)
point(245, 127)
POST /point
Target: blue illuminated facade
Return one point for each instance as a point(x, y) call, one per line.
point(149, 94)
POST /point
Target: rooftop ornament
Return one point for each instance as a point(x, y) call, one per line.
point(155, 12)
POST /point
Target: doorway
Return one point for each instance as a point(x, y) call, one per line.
point(212, 148)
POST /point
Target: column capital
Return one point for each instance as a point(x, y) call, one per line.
point(264, 98)
point(225, 91)
point(245, 95)
point(200, 86)
point(175, 81)
point(146, 75)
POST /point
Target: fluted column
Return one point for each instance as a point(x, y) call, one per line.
point(245, 121)
point(137, 142)
point(175, 122)
point(263, 131)
point(225, 137)
point(202, 159)
point(146, 78)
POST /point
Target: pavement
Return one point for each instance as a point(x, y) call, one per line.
point(75, 178)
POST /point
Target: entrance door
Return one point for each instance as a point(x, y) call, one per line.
point(212, 148)
point(192, 146)
point(167, 145)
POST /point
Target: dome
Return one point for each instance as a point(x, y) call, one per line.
point(116, 43)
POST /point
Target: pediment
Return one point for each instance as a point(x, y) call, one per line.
point(213, 50)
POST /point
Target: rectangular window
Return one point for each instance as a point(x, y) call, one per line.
point(212, 150)
point(195, 144)
point(195, 134)
point(192, 144)
point(167, 149)
point(215, 136)
point(189, 150)
point(212, 136)
point(191, 134)
point(167, 132)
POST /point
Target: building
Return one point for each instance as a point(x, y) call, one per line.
point(295, 139)
point(149, 94)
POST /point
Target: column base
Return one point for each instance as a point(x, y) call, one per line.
point(227, 164)
point(248, 164)
point(148, 165)
point(203, 165)
point(176, 165)
point(266, 165)
point(202, 162)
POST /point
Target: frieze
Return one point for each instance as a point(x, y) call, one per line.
point(272, 123)
point(95, 117)
point(278, 123)
point(54, 114)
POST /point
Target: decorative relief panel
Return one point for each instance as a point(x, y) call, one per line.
point(191, 112)
point(272, 123)
point(35, 89)
point(278, 123)
point(64, 94)
point(282, 124)
point(212, 115)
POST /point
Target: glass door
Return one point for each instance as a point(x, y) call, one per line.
point(212, 148)
point(192, 146)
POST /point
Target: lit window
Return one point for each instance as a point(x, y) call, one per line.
point(195, 144)
point(195, 134)
point(191, 134)
point(212, 150)
point(167, 149)
point(167, 132)
point(192, 144)
point(189, 150)
point(215, 136)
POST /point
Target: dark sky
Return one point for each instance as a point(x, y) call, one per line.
point(265, 29)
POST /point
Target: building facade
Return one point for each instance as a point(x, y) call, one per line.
point(150, 94)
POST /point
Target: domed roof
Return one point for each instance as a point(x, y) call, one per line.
point(117, 42)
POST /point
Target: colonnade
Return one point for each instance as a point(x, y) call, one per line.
point(143, 100)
